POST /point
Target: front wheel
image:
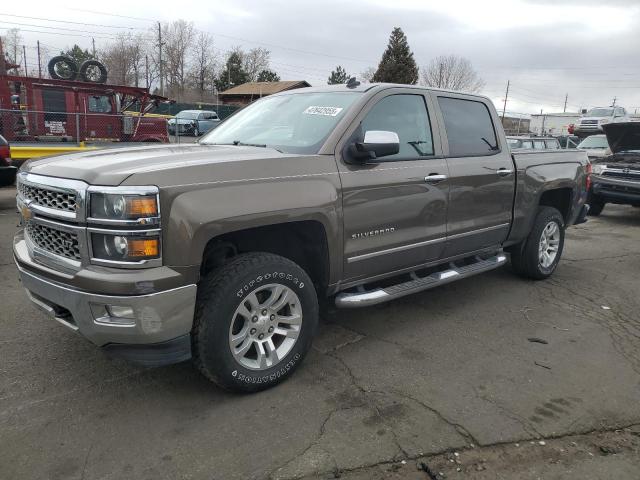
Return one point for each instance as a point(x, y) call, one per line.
point(255, 319)
point(538, 256)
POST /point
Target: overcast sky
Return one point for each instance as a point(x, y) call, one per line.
point(587, 49)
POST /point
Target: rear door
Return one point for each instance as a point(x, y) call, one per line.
point(481, 174)
point(393, 217)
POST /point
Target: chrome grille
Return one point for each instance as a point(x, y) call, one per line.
point(55, 241)
point(44, 197)
point(625, 175)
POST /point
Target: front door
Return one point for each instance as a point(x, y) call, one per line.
point(482, 175)
point(393, 217)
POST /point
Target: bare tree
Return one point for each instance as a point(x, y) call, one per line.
point(452, 73)
point(178, 37)
point(118, 57)
point(12, 46)
point(203, 68)
point(254, 61)
point(368, 74)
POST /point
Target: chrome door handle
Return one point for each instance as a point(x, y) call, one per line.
point(503, 172)
point(435, 178)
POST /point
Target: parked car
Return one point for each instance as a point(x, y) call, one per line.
point(219, 251)
point(7, 168)
point(592, 122)
point(616, 177)
point(596, 146)
point(530, 143)
point(193, 122)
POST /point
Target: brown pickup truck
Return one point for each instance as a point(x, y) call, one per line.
point(220, 251)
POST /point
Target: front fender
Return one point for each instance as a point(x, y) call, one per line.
point(205, 212)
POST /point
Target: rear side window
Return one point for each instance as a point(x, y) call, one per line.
point(528, 144)
point(469, 127)
point(539, 144)
point(407, 116)
point(552, 144)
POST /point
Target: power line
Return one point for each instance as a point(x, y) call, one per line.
point(111, 14)
point(69, 21)
point(114, 35)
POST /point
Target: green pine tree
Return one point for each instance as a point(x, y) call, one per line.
point(338, 76)
point(268, 76)
point(233, 74)
point(397, 64)
point(78, 55)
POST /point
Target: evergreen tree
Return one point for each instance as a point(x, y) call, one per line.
point(233, 74)
point(268, 76)
point(78, 55)
point(339, 75)
point(397, 64)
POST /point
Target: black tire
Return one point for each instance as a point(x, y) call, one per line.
point(224, 290)
point(70, 68)
point(596, 204)
point(84, 72)
point(525, 258)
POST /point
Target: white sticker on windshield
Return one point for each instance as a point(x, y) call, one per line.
point(328, 111)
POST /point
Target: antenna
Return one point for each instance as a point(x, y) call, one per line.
point(352, 82)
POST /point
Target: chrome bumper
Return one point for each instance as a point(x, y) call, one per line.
point(157, 317)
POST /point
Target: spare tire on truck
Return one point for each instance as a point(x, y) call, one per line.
point(93, 71)
point(62, 67)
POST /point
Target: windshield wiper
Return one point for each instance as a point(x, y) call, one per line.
point(244, 144)
point(492, 147)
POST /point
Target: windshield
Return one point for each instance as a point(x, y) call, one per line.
point(188, 115)
point(294, 123)
point(600, 112)
point(594, 141)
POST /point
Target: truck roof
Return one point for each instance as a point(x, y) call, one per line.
point(372, 87)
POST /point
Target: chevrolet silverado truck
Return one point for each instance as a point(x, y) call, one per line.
point(616, 176)
point(220, 251)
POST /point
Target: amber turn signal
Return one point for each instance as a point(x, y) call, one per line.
point(142, 247)
point(142, 207)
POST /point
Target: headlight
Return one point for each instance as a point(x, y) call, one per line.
point(598, 168)
point(125, 247)
point(123, 206)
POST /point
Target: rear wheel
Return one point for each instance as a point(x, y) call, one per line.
point(255, 319)
point(538, 256)
point(596, 204)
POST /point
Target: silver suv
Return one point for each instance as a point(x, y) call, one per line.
point(591, 123)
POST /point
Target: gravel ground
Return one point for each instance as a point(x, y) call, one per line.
point(415, 381)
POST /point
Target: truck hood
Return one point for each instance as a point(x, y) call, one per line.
point(112, 166)
point(623, 136)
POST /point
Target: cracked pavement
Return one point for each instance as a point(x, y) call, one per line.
point(417, 378)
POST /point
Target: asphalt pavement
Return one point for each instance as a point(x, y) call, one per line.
point(480, 368)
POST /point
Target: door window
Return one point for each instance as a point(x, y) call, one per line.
point(99, 104)
point(552, 144)
point(527, 144)
point(407, 116)
point(539, 144)
point(53, 102)
point(469, 127)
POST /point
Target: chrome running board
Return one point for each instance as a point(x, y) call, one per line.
point(363, 298)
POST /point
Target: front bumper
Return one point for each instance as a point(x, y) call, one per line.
point(612, 190)
point(587, 129)
point(155, 333)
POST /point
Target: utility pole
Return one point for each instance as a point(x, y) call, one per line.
point(614, 101)
point(566, 97)
point(506, 97)
point(39, 62)
point(146, 64)
point(24, 59)
point(93, 43)
point(160, 61)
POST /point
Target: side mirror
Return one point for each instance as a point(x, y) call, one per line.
point(376, 144)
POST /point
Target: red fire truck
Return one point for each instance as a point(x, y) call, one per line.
point(38, 109)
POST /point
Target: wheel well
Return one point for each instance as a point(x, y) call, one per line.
point(559, 198)
point(304, 243)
